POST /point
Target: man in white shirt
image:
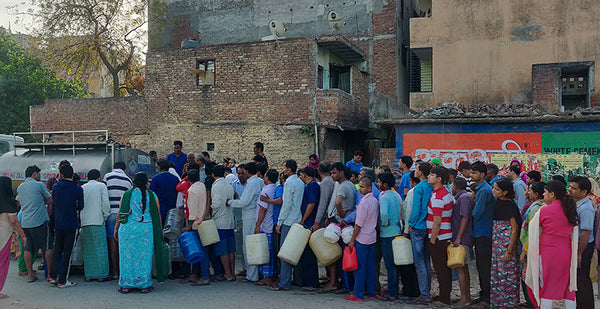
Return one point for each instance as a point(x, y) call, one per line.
point(93, 215)
point(247, 202)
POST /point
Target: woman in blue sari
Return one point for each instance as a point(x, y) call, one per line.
point(134, 232)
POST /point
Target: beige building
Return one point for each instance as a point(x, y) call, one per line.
point(476, 52)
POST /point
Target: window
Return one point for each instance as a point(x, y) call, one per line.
point(210, 146)
point(205, 73)
point(421, 8)
point(320, 77)
point(420, 70)
point(340, 77)
point(576, 80)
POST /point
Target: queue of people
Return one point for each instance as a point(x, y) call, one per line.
point(510, 226)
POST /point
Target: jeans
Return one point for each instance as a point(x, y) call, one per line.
point(62, 255)
point(388, 259)
point(365, 274)
point(214, 260)
point(439, 257)
point(202, 268)
point(286, 268)
point(483, 261)
point(585, 290)
point(419, 239)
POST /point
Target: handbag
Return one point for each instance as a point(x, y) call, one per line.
point(349, 261)
point(456, 256)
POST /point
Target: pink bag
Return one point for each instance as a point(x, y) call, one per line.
point(349, 261)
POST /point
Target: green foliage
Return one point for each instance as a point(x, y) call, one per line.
point(308, 131)
point(25, 81)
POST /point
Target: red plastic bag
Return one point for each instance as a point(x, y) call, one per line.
point(349, 261)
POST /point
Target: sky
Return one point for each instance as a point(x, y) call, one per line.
point(16, 22)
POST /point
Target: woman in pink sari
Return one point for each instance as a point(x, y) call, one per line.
point(8, 221)
point(552, 255)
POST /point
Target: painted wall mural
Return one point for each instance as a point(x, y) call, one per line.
point(552, 153)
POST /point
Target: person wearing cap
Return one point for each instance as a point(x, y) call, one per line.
point(33, 196)
point(435, 162)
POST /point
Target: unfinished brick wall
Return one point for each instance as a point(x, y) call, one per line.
point(387, 157)
point(545, 83)
point(385, 54)
point(124, 117)
point(334, 155)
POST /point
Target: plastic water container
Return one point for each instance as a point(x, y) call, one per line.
point(294, 244)
point(207, 230)
point(191, 248)
point(77, 254)
point(257, 249)
point(332, 233)
point(402, 249)
point(175, 253)
point(347, 233)
point(173, 223)
point(326, 252)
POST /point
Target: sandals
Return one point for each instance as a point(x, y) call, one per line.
point(385, 297)
point(123, 290)
point(3, 296)
point(351, 297)
point(200, 283)
point(147, 290)
point(32, 280)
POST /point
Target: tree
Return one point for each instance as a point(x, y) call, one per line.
point(25, 81)
point(81, 34)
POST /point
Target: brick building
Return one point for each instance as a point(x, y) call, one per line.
point(234, 83)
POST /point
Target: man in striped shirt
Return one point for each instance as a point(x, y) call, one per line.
point(439, 214)
point(117, 183)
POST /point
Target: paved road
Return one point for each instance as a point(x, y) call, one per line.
point(169, 294)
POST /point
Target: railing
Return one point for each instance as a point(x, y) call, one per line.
point(47, 140)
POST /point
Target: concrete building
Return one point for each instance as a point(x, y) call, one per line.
point(219, 80)
point(503, 80)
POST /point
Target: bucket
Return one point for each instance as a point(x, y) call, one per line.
point(175, 253)
point(207, 230)
point(347, 233)
point(402, 249)
point(332, 233)
point(77, 253)
point(326, 252)
point(294, 244)
point(189, 242)
point(173, 224)
point(257, 249)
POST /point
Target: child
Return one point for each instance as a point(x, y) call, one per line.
point(363, 241)
point(264, 224)
point(462, 233)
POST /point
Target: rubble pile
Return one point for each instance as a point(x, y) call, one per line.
point(456, 110)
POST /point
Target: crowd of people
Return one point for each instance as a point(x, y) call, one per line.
point(525, 236)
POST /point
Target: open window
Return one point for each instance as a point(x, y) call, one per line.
point(421, 8)
point(340, 78)
point(420, 67)
point(205, 73)
point(576, 84)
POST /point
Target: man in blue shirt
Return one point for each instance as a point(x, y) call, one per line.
point(579, 188)
point(419, 234)
point(178, 157)
point(293, 192)
point(163, 184)
point(390, 205)
point(483, 217)
point(355, 164)
point(405, 163)
point(68, 199)
point(33, 197)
